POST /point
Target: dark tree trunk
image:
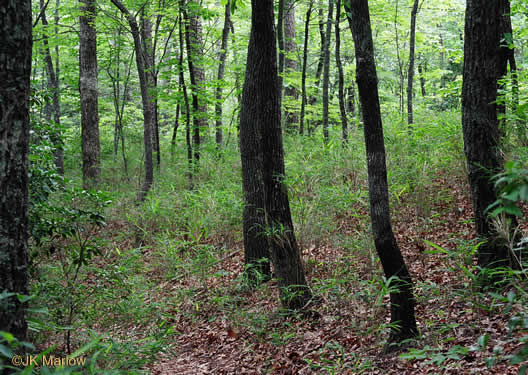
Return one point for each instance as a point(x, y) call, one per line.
point(15, 71)
point(193, 38)
point(399, 59)
point(151, 77)
point(290, 63)
point(402, 301)
point(341, 78)
point(305, 63)
point(187, 106)
point(89, 95)
point(326, 69)
point(410, 74)
point(148, 116)
point(421, 71)
point(220, 77)
point(261, 128)
point(485, 63)
point(53, 84)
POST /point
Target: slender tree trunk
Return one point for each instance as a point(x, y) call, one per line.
point(261, 127)
point(421, 72)
point(305, 63)
point(150, 76)
point(485, 63)
point(221, 72)
point(326, 69)
point(351, 102)
point(89, 95)
point(187, 106)
point(148, 116)
point(53, 84)
point(290, 46)
point(193, 37)
point(399, 59)
point(15, 71)
point(402, 301)
point(280, 41)
point(341, 78)
point(410, 74)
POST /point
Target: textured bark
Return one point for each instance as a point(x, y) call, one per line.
point(410, 74)
point(326, 69)
point(290, 46)
point(261, 129)
point(402, 302)
point(305, 63)
point(485, 63)
point(187, 106)
point(221, 72)
point(148, 116)
point(193, 37)
point(89, 96)
point(53, 85)
point(15, 70)
point(151, 78)
point(341, 78)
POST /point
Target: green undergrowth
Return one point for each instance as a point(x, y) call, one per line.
point(175, 261)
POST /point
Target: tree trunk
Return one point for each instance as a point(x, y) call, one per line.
point(341, 79)
point(193, 37)
point(485, 63)
point(305, 63)
point(53, 84)
point(15, 71)
point(89, 95)
point(326, 69)
point(280, 41)
point(421, 71)
point(290, 63)
point(402, 301)
point(187, 106)
point(261, 128)
point(410, 74)
point(220, 77)
point(148, 116)
point(151, 77)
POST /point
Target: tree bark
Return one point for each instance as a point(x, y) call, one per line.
point(89, 96)
point(148, 116)
point(410, 74)
point(15, 71)
point(304, 66)
point(326, 70)
point(402, 301)
point(222, 54)
point(485, 63)
point(290, 46)
point(193, 37)
point(341, 78)
point(187, 106)
point(261, 128)
point(53, 84)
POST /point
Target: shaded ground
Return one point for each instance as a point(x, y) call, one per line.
point(344, 332)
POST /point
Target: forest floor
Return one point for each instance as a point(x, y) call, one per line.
point(345, 335)
point(212, 324)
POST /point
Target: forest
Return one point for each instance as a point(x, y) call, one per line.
point(263, 187)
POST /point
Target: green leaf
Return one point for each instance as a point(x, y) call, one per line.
point(483, 340)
